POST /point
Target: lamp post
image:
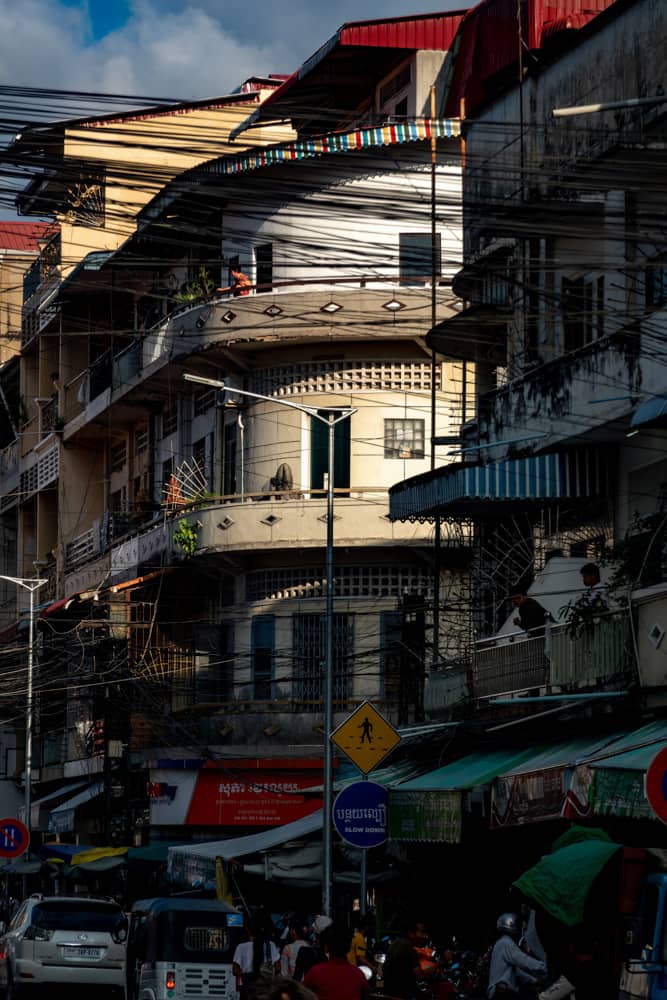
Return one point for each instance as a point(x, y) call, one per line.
point(31, 586)
point(334, 416)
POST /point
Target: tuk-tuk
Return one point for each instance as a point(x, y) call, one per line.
point(179, 948)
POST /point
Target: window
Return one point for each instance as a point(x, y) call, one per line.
point(401, 109)
point(214, 645)
point(169, 419)
point(199, 460)
point(656, 283)
point(263, 640)
point(229, 461)
point(403, 438)
point(204, 400)
point(319, 453)
point(416, 258)
point(582, 302)
point(390, 654)
point(308, 653)
point(264, 267)
point(118, 456)
point(141, 440)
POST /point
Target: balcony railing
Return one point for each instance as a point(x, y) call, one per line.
point(599, 655)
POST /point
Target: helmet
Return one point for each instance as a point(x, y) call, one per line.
point(509, 923)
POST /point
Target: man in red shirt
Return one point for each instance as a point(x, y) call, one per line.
point(336, 979)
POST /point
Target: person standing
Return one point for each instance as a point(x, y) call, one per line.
point(239, 283)
point(402, 963)
point(595, 592)
point(532, 616)
point(296, 941)
point(335, 979)
point(510, 968)
point(254, 959)
point(358, 953)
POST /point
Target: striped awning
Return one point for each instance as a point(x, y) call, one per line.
point(340, 142)
point(467, 489)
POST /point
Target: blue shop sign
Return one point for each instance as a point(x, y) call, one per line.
point(360, 814)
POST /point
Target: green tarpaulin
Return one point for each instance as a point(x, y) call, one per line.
point(560, 882)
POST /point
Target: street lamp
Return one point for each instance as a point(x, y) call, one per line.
point(334, 415)
point(31, 586)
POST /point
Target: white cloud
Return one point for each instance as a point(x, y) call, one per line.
point(203, 49)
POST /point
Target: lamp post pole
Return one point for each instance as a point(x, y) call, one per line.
point(31, 586)
point(333, 415)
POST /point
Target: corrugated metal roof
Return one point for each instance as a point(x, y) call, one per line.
point(423, 31)
point(488, 42)
point(23, 236)
point(634, 751)
point(569, 473)
point(564, 754)
point(469, 772)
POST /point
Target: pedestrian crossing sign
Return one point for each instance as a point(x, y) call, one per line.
point(366, 737)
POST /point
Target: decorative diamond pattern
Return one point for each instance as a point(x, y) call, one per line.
point(271, 519)
point(273, 310)
point(228, 316)
point(393, 305)
point(330, 307)
point(226, 522)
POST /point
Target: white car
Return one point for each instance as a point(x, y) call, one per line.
point(55, 941)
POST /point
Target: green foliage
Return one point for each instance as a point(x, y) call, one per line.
point(583, 614)
point(186, 537)
point(199, 288)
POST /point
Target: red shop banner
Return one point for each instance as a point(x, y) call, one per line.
point(257, 793)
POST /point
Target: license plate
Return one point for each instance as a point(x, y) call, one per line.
point(82, 952)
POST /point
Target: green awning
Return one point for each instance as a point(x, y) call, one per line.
point(154, 853)
point(469, 772)
point(561, 882)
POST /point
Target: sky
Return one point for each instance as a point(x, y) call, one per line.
point(167, 48)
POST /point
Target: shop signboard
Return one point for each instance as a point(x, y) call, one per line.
point(433, 816)
point(235, 793)
point(656, 785)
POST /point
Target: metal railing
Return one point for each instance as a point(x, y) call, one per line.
point(598, 654)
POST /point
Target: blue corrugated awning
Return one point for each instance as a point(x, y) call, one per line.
point(651, 411)
point(62, 818)
point(573, 473)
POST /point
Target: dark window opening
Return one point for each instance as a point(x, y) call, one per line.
point(416, 258)
point(263, 651)
point(264, 267)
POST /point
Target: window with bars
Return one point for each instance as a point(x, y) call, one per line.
point(345, 376)
point(141, 440)
point(204, 399)
point(262, 652)
point(200, 460)
point(309, 651)
point(118, 456)
point(170, 419)
point(350, 581)
point(403, 438)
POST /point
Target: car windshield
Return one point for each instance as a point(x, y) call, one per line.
point(89, 916)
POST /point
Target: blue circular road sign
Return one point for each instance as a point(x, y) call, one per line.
point(360, 814)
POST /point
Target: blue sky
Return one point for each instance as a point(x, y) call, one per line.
point(172, 48)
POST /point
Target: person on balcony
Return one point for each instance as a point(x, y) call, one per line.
point(239, 284)
point(532, 617)
point(596, 592)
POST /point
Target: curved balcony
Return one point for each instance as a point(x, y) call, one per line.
point(285, 522)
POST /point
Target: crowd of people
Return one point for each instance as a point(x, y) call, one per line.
point(323, 960)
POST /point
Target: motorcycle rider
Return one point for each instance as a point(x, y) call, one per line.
point(511, 969)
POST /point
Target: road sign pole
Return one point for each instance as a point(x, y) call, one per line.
point(364, 879)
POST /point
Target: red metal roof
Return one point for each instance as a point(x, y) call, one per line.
point(23, 236)
point(488, 42)
point(333, 65)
